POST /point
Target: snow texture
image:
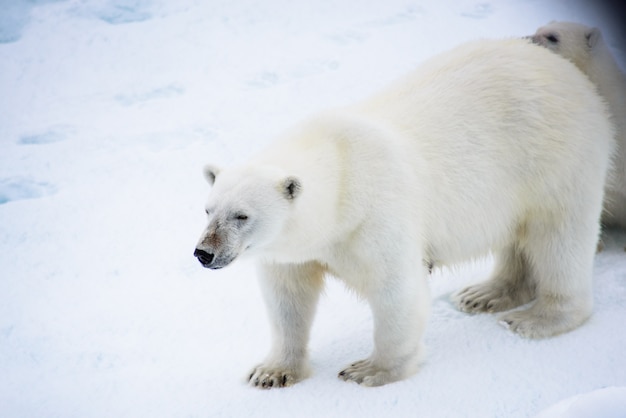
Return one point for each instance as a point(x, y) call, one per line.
point(602, 403)
point(108, 111)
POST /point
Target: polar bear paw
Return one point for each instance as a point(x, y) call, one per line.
point(264, 377)
point(367, 373)
point(489, 297)
point(540, 321)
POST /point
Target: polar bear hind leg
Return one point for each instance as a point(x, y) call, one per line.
point(551, 264)
point(560, 256)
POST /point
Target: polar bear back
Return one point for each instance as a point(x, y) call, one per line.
point(496, 121)
point(482, 114)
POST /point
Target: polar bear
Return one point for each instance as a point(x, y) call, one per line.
point(585, 47)
point(497, 145)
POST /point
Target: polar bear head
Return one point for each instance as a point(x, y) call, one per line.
point(247, 209)
point(573, 41)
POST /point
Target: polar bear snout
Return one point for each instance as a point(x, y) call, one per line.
point(205, 258)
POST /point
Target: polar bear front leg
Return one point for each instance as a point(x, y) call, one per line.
point(400, 309)
point(291, 293)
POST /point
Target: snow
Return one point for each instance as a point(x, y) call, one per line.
point(108, 111)
point(605, 403)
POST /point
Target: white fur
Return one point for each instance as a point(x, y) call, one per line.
point(494, 146)
point(585, 47)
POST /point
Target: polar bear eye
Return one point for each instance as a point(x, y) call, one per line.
point(241, 217)
point(552, 38)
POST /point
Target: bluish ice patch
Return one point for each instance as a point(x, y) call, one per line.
point(13, 18)
point(19, 188)
point(408, 14)
point(315, 68)
point(124, 11)
point(15, 15)
point(263, 79)
point(165, 92)
point(348, 37)
point(159, 141)
point(6, 331)
point(206, 134)
point(41, 138)
point(480, 11)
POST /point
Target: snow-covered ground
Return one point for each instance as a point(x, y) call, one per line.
point(108, 111)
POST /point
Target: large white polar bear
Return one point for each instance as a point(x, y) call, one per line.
point(585, 47)
point(497, 145)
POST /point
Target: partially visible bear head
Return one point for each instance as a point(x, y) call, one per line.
point(572, 41)
point(247, 209)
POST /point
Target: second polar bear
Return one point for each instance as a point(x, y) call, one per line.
point(497, 145)
point(585, 47)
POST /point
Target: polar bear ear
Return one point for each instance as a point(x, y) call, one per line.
point(210, 173)
point(593, 36)
point(291, 188)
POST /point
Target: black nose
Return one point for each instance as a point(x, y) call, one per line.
point(204, 257)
